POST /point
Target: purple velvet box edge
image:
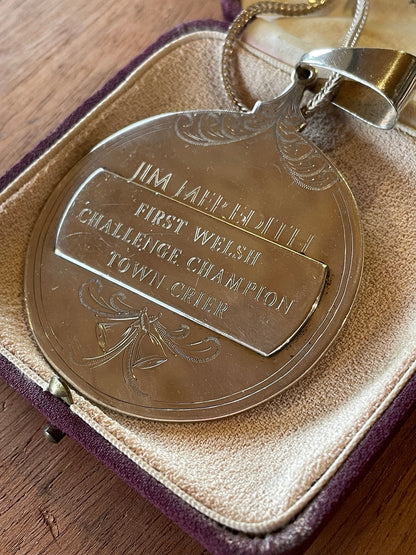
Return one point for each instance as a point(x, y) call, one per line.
point(230, 9)
point(299, 533)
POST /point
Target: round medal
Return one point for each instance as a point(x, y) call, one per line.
point(196, 264)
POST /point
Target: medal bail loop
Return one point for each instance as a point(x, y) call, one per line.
point(377, 82)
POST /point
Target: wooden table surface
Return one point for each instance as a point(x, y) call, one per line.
point(58, 498)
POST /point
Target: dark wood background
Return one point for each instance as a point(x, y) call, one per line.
point(58, 498)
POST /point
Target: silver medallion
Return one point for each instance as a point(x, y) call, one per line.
point(195, 264)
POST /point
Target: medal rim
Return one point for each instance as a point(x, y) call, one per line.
point(212, 411)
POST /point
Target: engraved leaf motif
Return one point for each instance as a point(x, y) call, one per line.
point(206, 349)
point(208, 128)
point(90, 296)
point(306, 164)
point(142, 340)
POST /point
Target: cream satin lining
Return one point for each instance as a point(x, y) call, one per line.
point(389, 25)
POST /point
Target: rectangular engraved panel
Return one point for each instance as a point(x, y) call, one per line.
point(231, 281)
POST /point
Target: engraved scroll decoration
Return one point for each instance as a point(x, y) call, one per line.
point(306, 164)
point(141, 338)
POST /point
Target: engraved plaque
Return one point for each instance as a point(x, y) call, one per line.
point(192, 263)
point(196, 264)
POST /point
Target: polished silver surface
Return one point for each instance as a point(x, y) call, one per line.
point(190, 262)
point(194, 265)
point(378, 81)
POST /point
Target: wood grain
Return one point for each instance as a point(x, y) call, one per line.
point(59, 499)
point(54, 55)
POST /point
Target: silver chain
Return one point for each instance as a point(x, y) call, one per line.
point(291, 10)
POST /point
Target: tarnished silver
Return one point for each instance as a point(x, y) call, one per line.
point(378, 82)
point(194, 265)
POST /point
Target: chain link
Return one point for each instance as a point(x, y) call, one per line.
point(332, 83)
point(287, 10)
